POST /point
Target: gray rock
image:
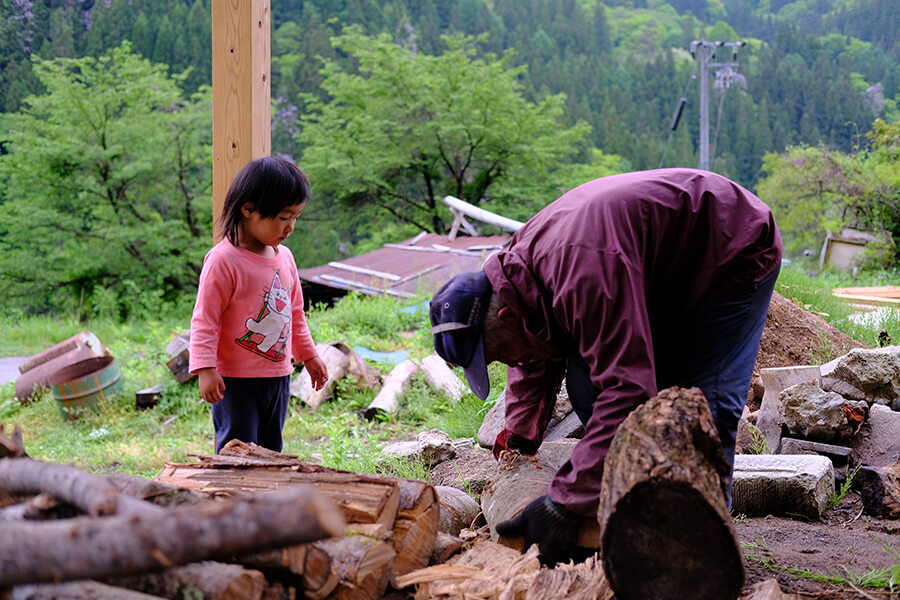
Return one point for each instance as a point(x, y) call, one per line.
point(871, 375)
point(782, 485)
point(878, 441)
point(775, 380)
point(812, 413)
point(430, 448)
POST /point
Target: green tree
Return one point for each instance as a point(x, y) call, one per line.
point(405, 128)
point(107, 187)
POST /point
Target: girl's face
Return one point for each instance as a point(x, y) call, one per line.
point(258, 234)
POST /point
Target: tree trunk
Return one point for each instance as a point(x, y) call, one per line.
point(86, 547)
point(214, 580)
point(440, 377)
point(666, 530)
point(522, 479)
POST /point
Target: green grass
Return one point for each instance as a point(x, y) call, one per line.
point(118, 437)
point(813, 292)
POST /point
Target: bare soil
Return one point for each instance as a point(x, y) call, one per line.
point(844, 543)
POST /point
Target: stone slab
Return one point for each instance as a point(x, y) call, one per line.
point(784, 485)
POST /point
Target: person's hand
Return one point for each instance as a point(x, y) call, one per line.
point(212, 386)
point(510, 441)
point(318, 372)
point(553, 529)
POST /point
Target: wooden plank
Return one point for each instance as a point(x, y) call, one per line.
point(241, 91)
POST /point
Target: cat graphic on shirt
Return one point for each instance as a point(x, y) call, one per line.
point(274, 324)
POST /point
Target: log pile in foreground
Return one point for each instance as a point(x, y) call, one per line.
point(393, 522)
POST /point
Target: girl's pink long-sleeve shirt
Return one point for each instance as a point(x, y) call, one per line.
point(248, 320)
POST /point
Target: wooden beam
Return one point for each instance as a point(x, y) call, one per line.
point(241, 91)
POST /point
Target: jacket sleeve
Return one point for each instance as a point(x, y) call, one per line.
point(213, 294)
point(530, 396)
point(603, 306)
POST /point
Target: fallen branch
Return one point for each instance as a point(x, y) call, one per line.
point(89, 548)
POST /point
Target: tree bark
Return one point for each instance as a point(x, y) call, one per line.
point(91, 493)
point(362, 565)
point(77, 590)
point(214, 580)
point(304, 565)
point(387, 400)
point(666, 530)
point(520, 480)
point(85, 547)
point(416, 527)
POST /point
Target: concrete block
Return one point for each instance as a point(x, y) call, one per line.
point(787, 485)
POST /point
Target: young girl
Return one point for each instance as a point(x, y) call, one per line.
point(248, 320)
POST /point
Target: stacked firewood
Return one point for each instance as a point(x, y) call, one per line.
point(246, 524)
point(392, 523)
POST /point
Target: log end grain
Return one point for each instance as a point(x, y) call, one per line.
point(664, 541)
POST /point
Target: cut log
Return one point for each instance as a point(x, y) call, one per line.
point(666, 529)
point(11, 446)
point(416, 527)
point(337, 360)
point(388, 399)
point(522, 479)
point(77, 590)
point(305, 565)
point(362, 498)
point(93, 494)
point(362, 565)
point(214, 580)
point(446, 546)
point(442, 378)
point(85, 547)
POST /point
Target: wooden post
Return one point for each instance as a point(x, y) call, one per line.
point(241, 91)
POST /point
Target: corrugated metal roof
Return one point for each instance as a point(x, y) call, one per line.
point(419, 264)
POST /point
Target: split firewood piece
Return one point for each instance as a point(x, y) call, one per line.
point(362, 565)
point(520, 480)
point(388, 399)
point(442, 378)
point(306, 564)
point(11, 446)
point(77, 590)
point(768, 590)
point(663, 497)
point(416, 527)
point(362, 498)
point(93, 494)
point(214, 580)
point(85, 548)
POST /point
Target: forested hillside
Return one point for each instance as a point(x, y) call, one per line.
point(814, 71)
point(594, 86)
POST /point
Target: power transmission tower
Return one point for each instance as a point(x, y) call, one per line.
point(707, 51)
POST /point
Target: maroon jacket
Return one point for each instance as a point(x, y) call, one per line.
point(588, 271)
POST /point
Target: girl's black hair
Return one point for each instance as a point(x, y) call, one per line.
point(270, 184)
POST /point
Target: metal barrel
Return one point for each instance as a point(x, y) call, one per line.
point(83, 384)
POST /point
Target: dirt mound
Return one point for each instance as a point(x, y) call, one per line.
point(794, 336)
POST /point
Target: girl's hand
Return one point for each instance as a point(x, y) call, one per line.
point(318, 372)
point(212, 386)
